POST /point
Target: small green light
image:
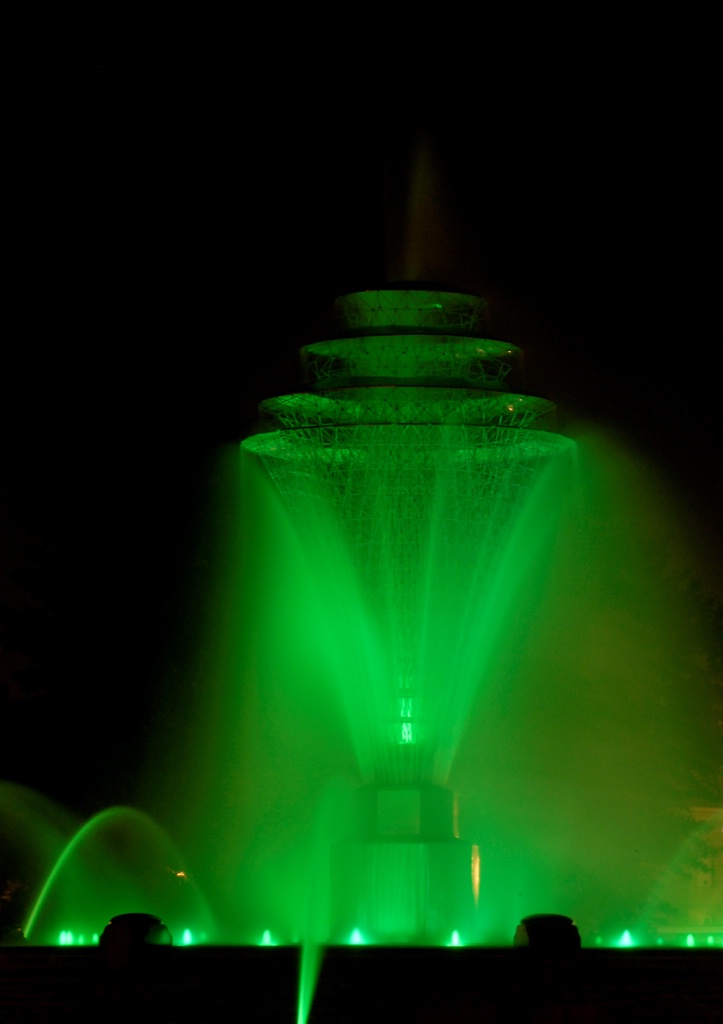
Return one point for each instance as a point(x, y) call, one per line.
point(266, 939)
point(407, 736)
point(356, 938)
point(187, 939)
point(625, 940)
point(96, 939)
point(710, 940)
point(455, 940)
point(690, 940)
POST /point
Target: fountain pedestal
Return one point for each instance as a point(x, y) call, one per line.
point(409, 878)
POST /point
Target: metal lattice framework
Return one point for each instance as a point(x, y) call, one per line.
point(415, 309)
point(428, 359)
point(403, 404)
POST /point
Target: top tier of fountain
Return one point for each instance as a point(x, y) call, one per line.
point(410, 336)
point(408, 355)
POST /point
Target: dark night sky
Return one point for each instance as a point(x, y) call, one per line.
point(174, 237)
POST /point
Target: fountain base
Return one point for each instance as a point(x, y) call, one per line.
point(409, 878)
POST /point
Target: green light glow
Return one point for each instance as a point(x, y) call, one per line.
point(423, 491)
point(187, 937)
point(625, 941)
point(408, 532)
point(690, 941)
point(455, 940)
point(266, 939)
point(406, 499)
point(356, 938)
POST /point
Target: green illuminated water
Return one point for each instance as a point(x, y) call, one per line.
point(417, 539)
point(421, 493)
point(410, 586)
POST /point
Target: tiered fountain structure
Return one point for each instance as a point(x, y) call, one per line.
point(411, 467)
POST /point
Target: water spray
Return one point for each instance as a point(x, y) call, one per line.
point(406, 463)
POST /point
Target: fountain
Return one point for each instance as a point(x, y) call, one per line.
point(422, 484)
point(417, 738)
